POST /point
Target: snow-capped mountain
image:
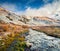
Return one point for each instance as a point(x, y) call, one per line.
point(9, 17)
point(43, 21)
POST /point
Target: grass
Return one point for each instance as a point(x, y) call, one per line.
point(10, 38)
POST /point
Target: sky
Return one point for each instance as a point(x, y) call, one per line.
point(31, 7)
point(23, 4)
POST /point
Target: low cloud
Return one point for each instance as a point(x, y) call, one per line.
point(47, 10)
point(9, 6)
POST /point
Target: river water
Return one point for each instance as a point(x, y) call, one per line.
point(41, 42)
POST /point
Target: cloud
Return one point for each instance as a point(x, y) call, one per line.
point(30, 1)
point(45, 1)
point(47, 10)
point(9, 6)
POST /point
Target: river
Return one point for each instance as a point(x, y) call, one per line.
point(40, 42)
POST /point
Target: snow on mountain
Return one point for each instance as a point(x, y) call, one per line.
point(9, 17)
point(43, 21)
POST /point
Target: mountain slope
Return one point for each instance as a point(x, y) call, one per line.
point(9, 17)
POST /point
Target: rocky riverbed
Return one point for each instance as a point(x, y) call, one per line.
point(41, 42)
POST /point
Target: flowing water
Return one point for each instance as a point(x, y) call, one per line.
point(41, 42)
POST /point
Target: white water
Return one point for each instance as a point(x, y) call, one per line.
point(41, 42)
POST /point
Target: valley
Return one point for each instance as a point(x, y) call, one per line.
point(28, 33)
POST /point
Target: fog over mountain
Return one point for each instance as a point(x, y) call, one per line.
point(51, 10)
point(10, 17)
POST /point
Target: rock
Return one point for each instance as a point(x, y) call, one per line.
point(28, 44)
